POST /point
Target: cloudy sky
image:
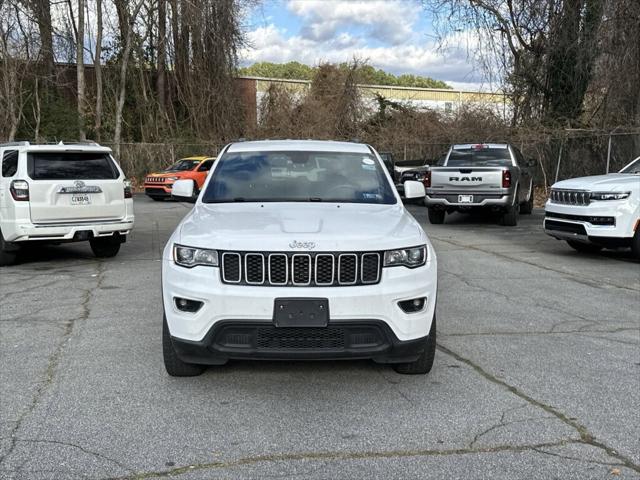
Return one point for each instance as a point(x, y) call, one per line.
point(394, 35)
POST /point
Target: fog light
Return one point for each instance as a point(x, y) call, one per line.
point(186, 305)
point(414, 305)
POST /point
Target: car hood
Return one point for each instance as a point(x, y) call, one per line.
point(614, 182)
point(299, 226)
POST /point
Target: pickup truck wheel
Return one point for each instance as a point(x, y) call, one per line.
point(584, 247)
point(105, 247)
point(424, 363)
point(510, 216)
point(8, 253)
point(174, 366)
point(436, 217)
point(526, 208)
point(635, 244)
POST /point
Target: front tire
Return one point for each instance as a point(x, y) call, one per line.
point(424, 363)
point(584, 247)
point(526, 208)
point(8, 253)
point(436, 216)
point(172, 364)
point(105, 247)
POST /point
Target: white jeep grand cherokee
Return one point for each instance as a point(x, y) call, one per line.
point(62, 193)
point(298, 250)
point(597, 212)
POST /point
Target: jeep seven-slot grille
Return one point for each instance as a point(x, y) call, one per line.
point(301, 269)
point(570, 197)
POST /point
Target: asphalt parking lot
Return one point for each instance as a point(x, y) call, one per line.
point(537, 374)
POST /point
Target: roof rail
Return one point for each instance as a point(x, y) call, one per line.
point(15, 144)
point(25, 143)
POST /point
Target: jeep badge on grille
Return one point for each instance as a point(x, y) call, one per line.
point(305, 245)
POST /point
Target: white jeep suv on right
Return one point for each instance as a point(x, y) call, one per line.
point(597, 212)
point(62, 193)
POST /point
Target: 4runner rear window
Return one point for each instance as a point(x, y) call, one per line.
point(484, 157)
point(71, 166)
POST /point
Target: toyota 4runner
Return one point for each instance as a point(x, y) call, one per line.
point(298, 250)
point(62, 193)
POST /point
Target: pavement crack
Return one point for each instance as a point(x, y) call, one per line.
point(586, 437)
point(337, 456)
point(53, 362)
point(568, 457)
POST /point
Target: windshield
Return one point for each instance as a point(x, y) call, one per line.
point(633, 167)
point(481, 157)
point(183, 165)
point(299, 176)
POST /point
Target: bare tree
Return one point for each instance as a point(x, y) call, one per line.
point(97, 65)
point(82, 133)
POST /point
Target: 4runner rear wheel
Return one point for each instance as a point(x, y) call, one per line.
point(584, 247)
point(105, 247)
point(436, 216)
point(635, 244)
point(424, 363)
point(174, 366)
point(8, 252)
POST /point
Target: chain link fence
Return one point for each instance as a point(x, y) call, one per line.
point(559, 156)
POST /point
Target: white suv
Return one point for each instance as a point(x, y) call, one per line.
point(298, 250)
point(62, 193)
point(597, 212)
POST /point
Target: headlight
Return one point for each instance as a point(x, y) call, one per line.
point(190, 257)
point(409, 257)
point(172, 179)
point(609, 195)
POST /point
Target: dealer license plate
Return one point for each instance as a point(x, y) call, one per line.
point(80, 199)
point(465, 198)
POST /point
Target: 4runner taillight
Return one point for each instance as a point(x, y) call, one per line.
point(128, 192)
point(506, 179)
point(426, 180)
point(19, 190)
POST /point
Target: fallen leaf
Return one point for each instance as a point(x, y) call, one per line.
point(615, 471)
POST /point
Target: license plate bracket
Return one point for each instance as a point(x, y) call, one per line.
point(301, 312)
point(465, 198)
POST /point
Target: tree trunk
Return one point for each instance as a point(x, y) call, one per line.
point(162, 54)
point(97, 62)
point(82, 134)
point(127, 26)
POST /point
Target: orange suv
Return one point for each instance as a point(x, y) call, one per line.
point(158, 185)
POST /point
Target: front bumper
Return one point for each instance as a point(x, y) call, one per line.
point(23, 232)
point(480, 199)
point(243, 303)
point(362, 339)
point(158, 190)
point(574, 222)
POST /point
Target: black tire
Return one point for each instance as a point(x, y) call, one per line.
point(105, 247)
point(174, 366)
point(584, 247)
point(510, 216)
point(526, 208)
point(436, 216)
point(424, 363)
point(635, 244)
point(8, 253)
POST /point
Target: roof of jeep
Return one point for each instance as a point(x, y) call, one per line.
point(302, 145)
point(199, 158)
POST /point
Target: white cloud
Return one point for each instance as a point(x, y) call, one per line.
point(452, 64)
point(388, 21)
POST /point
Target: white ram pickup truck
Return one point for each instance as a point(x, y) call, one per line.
point(489, 176)
point(298, 250)
point(62, 193)
point(592, 213)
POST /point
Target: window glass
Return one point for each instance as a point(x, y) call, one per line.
point(205, 166)
point(183, 166)
point(634, 168)
point(71, 166)
point(9, 163)
point(479, 156)
point(299, 176)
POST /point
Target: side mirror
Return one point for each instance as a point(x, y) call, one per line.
point(182, 191)
point(413, 189)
